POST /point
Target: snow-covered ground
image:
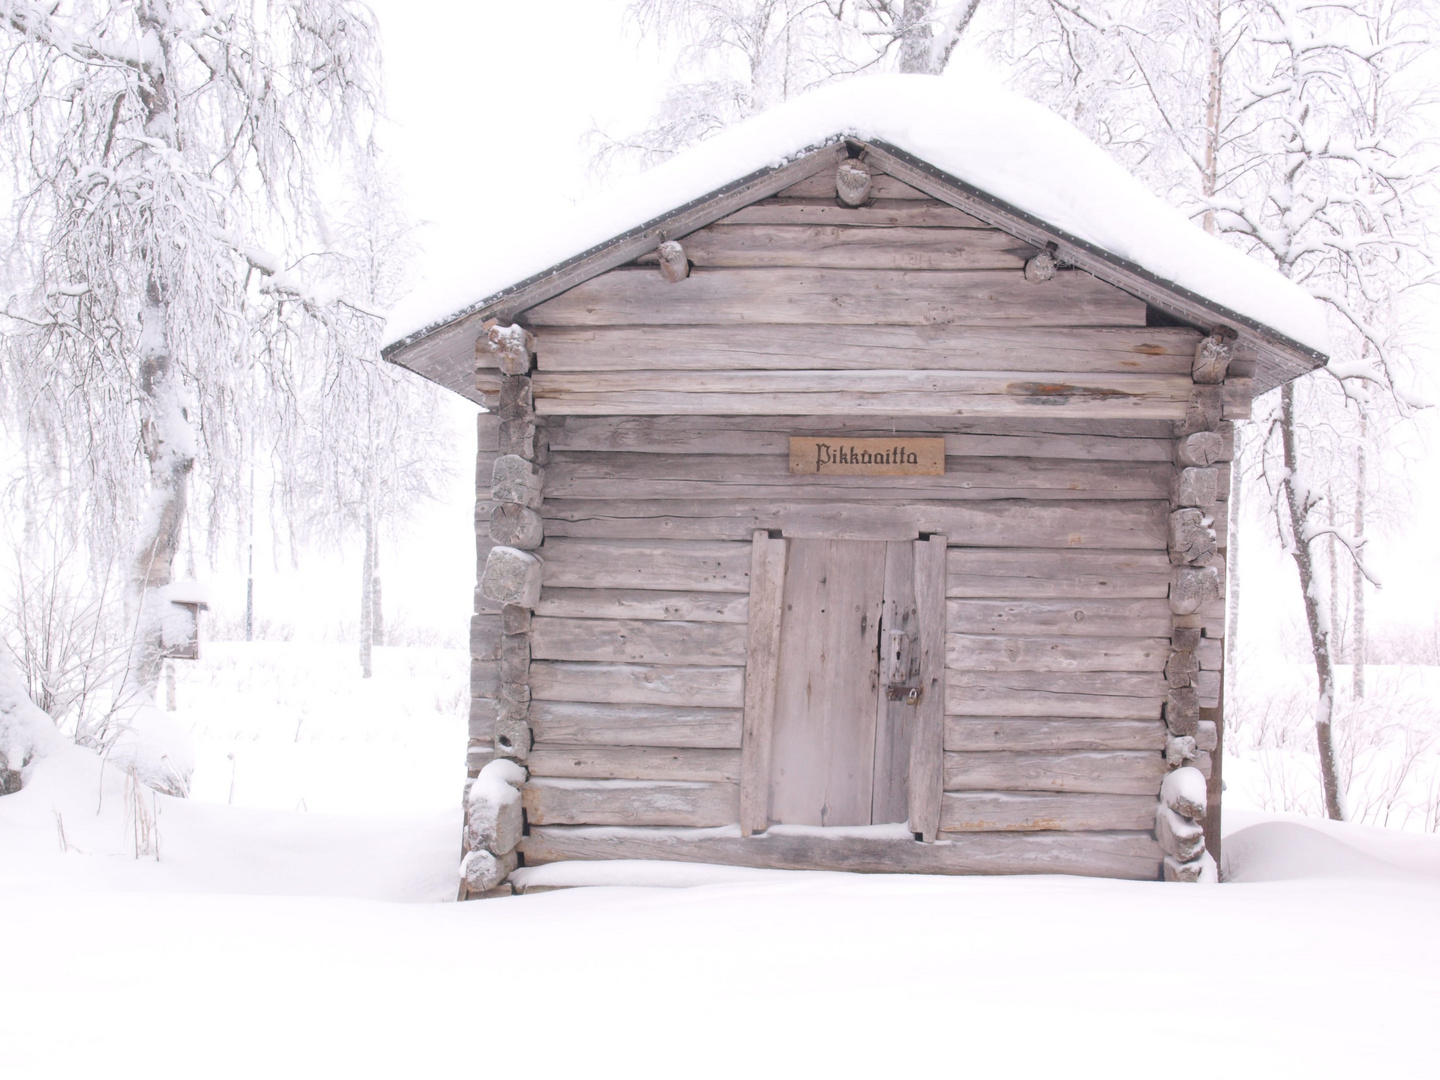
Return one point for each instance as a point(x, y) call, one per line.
point(270, 940)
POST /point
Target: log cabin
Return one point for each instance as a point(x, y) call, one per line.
point(852, 493)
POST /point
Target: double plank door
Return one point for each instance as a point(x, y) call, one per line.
point(844, 684)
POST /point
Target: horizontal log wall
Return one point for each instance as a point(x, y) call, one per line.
point(667, 410)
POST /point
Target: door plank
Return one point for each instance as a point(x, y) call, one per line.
point(762, 659)
point(822, 769)
point(928, 734)
point(893, 719)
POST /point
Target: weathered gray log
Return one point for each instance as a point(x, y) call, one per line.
point(1204, 411)
point(515, 619)
point(511, 576)
point(822, 186)
point(1213, 355)
point(690, 566)
point(521, 438)
point(1195, 487)
point(517, 693)
point(1183, 791)
point(1140, 618)
point(916, 213)
point(635, 763)
point(650, 604)
point(1179, 750)
point(485, 630)
point(1052, 700)
point(1064, 653)
point(1040, 268)
point(838, 247)
point(484, 678)
point(1178, 837)
point(633, 296)
point(482, 871)
point(1196, 870)
point(1020, 573)
point(1192, 540)
point(1003, 811)
point(515, 657)
point(995, 523)
point(1105, 854)
point(1207, 688)
point(493, 819)
point(1160, 350)
point(1212, 654)
point(630, 476)
point(1182, 668)
point(1207, 736)
point(1185, 638)
point(674, 265)
point(516, 480)
point(584, 723)
point(477, 756)
point(516, 399)
point(640, 641)
point(1199, 450)
point(852, 182)
point(1117, 772)
point(1125, 395)
point(626, 802)
point(1182, 711)
point(639, 684)
point(1006, 733)
point(762, 658)
point(512, 738)
point(510, 348)
point(1193, 587)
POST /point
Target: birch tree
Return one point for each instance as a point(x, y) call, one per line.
point(165, 160)
point(735, 58)
point(1287, 127)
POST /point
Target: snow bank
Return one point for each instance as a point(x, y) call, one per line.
point(25, 731)
point(994, 140)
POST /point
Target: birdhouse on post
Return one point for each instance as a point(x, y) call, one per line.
point(180, 630)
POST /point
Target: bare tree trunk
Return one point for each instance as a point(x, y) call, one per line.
point(167, 439)
point(377, 611)
point(915, 36)
point(1332, 550)
point(1357, 646)
point(1298, 504)
point(1214, 78)
point(367, 610)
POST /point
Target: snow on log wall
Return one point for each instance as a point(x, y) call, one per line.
point(664, 408)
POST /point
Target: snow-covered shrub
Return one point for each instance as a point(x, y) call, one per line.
point(25, 731)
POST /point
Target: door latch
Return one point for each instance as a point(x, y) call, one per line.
point(910, 695)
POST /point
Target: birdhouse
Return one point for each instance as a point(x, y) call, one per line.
point(180, 628)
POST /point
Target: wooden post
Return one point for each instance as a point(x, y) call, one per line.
point(762, 664)
point(927, 757)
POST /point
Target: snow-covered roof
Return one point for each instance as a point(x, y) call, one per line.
point(1019, 154)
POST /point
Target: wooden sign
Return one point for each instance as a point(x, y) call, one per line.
point(839, 455)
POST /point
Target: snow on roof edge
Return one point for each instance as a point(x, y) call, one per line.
point(978, 137)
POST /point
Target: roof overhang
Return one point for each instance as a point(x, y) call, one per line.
point(444, 351)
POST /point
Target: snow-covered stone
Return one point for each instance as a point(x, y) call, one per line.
point(1178, 837)
point(481, 870)
point(25, 730)
point(1178, 750)
point(1183, 791)
point(1200, 870)
point(493, 819)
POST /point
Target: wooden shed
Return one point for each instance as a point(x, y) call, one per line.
point(853, 495)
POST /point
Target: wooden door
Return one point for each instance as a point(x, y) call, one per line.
point(844, 684)
point(827, 683)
